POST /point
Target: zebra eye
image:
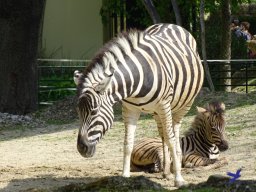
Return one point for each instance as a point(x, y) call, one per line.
point(94, 112)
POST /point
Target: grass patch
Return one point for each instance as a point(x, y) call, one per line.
point(234, 128)
point(253, 133)
point(19, 127)
point(251, 88)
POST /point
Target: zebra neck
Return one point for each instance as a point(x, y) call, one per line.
point(204, 146)
point(115, 96)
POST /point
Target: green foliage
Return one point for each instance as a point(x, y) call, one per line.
point(112, 7)
point(136, 15)
point(55, 87)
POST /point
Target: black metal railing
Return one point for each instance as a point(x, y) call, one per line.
point(241, 72)
point(56, 76)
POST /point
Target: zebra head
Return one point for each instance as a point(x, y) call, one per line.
point(95, 114)
point(214, 124)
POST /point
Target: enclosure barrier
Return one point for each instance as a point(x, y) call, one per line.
point(242, 74)
point(56, 76)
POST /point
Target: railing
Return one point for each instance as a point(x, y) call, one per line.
point(56, 76)
point(241, 72)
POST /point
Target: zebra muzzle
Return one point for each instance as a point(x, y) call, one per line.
point(223, 146)
point(85, 148)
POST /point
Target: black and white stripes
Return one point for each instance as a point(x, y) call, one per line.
point(156, 71)
point(200, 146)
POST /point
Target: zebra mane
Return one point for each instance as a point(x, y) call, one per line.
point(111, 54)
point(214, 108)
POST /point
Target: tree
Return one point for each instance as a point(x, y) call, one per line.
point(152, 11)
point(176, 12)
point(20, 23)
point(225, 49)
point(206, 68)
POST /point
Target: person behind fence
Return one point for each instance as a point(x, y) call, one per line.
point(251, 44)
point(242, 30)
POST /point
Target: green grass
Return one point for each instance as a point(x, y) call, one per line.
point(19, 127)
point(234, 128)
point(253, 133)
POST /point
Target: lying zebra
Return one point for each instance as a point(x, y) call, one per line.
point(200, 146)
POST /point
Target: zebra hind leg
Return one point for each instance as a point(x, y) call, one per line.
point(130, 120)
point(164, 161)
point(217, 164)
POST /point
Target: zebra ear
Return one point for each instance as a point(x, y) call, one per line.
point(77, 75)
point(201, 109)
point(103, 85)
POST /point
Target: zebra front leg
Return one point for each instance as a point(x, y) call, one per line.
point(196, 160)
point(169, 138)
point(203, 163)
point(177, 139)
point(130, 120)
point(166, 161)
point(177, 118)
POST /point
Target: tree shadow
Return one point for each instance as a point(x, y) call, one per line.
point(112, 183)
point(48, 183)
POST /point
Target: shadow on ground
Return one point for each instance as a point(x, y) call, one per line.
point(64, 112)
point(214, 183)
point(218, 183)
point(115, 183)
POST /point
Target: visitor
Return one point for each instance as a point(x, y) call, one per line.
point(242, 30)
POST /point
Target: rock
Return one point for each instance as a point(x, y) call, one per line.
point(11, 121)
point(213, 179)
point(63, 111)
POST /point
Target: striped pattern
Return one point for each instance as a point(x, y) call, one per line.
point(157, 71)
point(200, 145)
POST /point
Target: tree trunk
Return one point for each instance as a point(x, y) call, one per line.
point(19, 34)
point(176, 12)
point(225, 44)
point(152, 11)
point(194, 17)
point(206, 68)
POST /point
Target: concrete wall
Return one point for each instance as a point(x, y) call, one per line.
point(72, 29)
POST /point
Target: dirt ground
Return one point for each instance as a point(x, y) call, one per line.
point(47, 157)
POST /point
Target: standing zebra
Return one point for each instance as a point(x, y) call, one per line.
point(157, 71)
point(200, 146)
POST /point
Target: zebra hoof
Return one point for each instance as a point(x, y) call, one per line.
point(125, 174)
point(180, 184)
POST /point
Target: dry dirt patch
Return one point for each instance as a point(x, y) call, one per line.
point(47, 157)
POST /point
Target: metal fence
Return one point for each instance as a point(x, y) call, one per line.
point(242, 74)
point(56, 76)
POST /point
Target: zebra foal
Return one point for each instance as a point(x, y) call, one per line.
point(156, 71)
point(200, 146)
